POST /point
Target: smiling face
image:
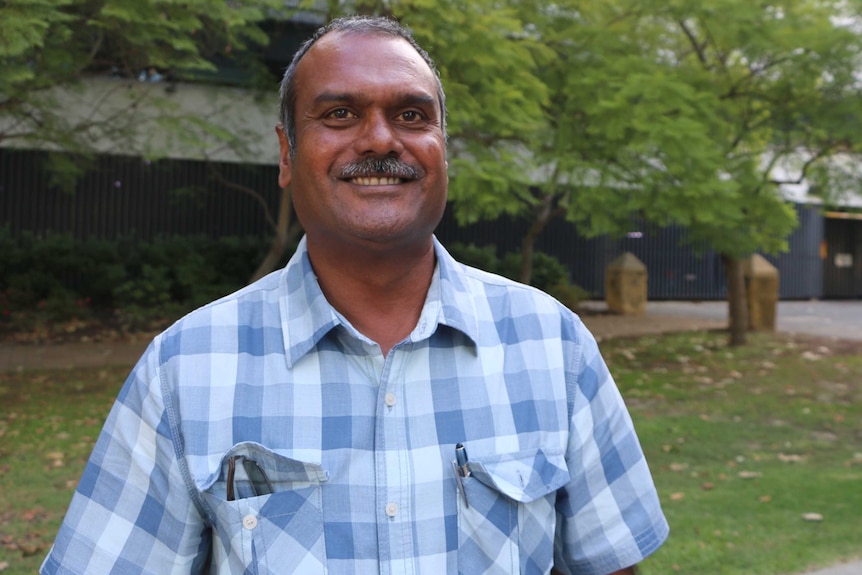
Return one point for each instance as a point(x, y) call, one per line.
point(369, 168)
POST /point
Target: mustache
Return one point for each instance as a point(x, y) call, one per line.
point(380, 167)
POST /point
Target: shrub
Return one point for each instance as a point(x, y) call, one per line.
point(50, 278)
point(549, 275)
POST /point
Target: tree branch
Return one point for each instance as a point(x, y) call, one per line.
point(698, 48)
point(246, 190)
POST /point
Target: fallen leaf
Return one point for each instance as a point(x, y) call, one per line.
point(790, 458)
point(765, 498)
point(749, 474)
point(707, 486)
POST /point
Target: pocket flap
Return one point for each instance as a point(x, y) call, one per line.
point(280, 470)
point(523, 476)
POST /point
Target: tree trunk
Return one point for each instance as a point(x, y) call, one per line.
point(286, 231)
point(544, 214)
point(737, 306)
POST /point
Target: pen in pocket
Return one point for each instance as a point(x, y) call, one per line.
point(255, 477)
point(459, 466)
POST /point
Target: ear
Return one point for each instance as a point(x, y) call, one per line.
point(283, 157)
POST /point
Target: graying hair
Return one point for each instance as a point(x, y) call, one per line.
point(368, 25)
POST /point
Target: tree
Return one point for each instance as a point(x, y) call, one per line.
point(784, 76)
point(49, 48)
point(676, 112)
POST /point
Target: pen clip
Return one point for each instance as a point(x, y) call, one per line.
point(460, 483)
point(461, 460)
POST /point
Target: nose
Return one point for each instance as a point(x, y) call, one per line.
point(378, 137)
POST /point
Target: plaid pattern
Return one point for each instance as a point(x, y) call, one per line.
point(358, 448)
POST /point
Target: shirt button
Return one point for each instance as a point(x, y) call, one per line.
point(249, 521)
point(391, 509)
point(389, 399)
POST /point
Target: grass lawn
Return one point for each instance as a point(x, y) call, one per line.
point(743, 443)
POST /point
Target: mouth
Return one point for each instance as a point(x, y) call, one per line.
point(376, 181)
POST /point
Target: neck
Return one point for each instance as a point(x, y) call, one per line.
point(380, 293)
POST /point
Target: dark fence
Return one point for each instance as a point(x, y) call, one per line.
point(121, 196)
point(677, 269)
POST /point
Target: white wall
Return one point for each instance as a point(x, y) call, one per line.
point(161, 119)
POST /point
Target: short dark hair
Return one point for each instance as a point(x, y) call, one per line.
point(369, 25)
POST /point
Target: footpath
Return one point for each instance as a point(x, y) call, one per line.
point(662, 317)
point(127, 352)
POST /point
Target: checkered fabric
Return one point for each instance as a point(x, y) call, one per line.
point(355, 449)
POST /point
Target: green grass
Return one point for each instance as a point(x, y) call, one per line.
point(741, 442)
point(49, 421)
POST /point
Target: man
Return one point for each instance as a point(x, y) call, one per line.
point(374, 407)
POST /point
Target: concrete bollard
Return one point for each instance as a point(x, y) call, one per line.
point(626, 285)
point(761, 286)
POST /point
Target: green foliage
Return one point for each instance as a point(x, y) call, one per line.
point(691, 112)
point(48, 47)
point(55, 278)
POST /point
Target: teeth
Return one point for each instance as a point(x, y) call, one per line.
point(376, 181)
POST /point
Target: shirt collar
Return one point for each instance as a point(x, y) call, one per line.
point(307, 316)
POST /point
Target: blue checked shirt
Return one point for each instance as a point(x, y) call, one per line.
point(262, 434)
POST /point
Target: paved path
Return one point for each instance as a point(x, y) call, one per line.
point(840, 319)
point(127, 353)
point(834, 318)
point(854, 568)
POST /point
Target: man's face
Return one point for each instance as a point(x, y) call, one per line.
point(361, 99)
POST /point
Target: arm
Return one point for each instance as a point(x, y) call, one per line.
point(132, 508)
point(608, 515)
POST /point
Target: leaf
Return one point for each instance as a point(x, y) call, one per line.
point(749, 474)
point(790, 458)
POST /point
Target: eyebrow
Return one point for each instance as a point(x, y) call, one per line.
point(406, 98)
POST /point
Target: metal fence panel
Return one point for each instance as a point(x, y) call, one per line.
point(122, 196)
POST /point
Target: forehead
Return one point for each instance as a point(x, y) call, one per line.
point(357, 63)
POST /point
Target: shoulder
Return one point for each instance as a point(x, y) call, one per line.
point(523, 312)
point(222, 323)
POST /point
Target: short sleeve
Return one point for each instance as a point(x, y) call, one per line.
point(132, 511)
point(609, 515)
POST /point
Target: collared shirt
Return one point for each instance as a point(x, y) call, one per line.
point(263, 434)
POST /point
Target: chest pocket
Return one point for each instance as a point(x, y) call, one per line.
point(267, 511)
point(506, 525)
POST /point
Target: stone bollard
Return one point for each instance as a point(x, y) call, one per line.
point(761, 286)
point(626, 285)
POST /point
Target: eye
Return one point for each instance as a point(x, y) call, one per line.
point(411, 116)
point(340, 114)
